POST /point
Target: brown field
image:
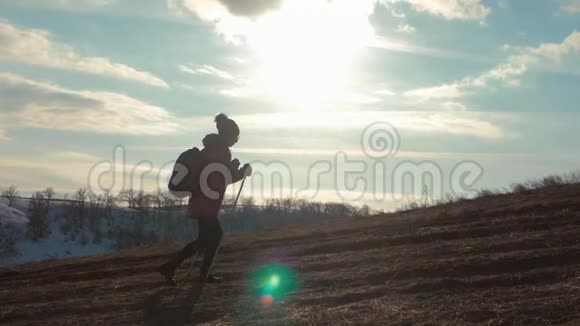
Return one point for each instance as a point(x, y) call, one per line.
point(498, 260)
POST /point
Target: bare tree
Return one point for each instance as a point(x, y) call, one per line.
point(10, 194)
point(142, 200)
point(157, 198)
point(109, 201)
point(95, 214)
point(248, 201)
point(38, 227)
point(129, 196)
point(81, 195)
point(169, 200)
point(80, 198)
point(49, 194)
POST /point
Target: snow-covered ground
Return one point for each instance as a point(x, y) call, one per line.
point(55, 246)
point(11, 215)
point(14, 222)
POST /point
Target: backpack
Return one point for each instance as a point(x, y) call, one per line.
point(184, 179)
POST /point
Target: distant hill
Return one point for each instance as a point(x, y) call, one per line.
point(495, 260)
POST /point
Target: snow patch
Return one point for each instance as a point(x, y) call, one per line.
point(56, 246)
point(11, 215)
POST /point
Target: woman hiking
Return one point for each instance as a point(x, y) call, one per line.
point(205, 206)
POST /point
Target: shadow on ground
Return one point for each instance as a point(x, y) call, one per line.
point(172, 306)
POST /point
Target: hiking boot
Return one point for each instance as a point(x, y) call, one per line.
point(211, 279)
point(168, 272)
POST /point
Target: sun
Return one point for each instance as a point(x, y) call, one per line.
point(305, 50)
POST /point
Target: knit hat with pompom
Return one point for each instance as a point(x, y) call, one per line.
point(226, 126)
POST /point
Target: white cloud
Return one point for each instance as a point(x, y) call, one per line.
point(77, 156)
point(454, 106)
point(241, 20)
point(57, 3)
point(212, 9)
point(398, 14)
point(206, 70)
point(69, 171)
point(570, 6)
point(385, 92)
point(449, 9)
point(503, 73)
point(390, 44)
point(405, 28)
point(556, 51)
point(461, 126)
point(29, 103)
point(231, 85)
point(230, 26)
point(32, 175)
point(243, 91)
point(515, 83)
point(506, 74)
point(236, 19)
point(36, 47)
point(250, 8)
point(437, 92)
point(225, 84)
point(458, 123)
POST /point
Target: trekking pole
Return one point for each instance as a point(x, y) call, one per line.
point(239, 192)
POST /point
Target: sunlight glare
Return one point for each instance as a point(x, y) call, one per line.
point(305, 50)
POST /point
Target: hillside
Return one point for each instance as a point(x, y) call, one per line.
point(506, 259)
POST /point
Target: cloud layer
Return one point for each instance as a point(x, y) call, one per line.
point(29, 103)
point(449, 9)
point(234, 18)
point(508, 73)
point(250, 7)
point(479, 125)
point(571, 7)
point(207, 70)
point(56, 3)
point(214, 8)
point(36, 47)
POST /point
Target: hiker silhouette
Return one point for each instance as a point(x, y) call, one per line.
point(203, 205)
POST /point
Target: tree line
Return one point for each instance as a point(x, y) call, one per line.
point(134, 218)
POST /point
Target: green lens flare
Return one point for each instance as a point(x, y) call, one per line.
point(275, 281)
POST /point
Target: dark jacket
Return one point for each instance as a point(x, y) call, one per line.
point(216, 153)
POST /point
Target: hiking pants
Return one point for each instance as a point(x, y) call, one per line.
point(209, 237)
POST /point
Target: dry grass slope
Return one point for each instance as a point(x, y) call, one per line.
point(505, 259)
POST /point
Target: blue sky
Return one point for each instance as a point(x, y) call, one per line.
point(488, 81)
